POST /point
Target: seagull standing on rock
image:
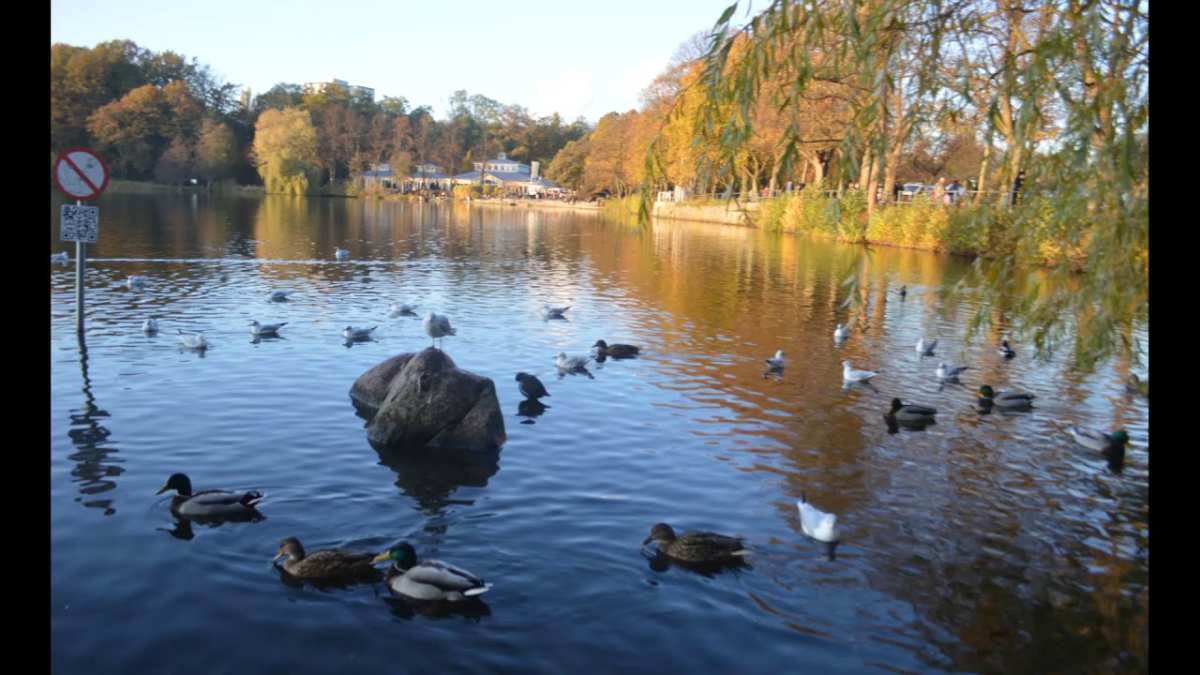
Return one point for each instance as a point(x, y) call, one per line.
point(437, 326)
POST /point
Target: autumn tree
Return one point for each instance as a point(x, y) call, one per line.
point(285, 150)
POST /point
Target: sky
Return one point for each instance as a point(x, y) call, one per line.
point(575, 58)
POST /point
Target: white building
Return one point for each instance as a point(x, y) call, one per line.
point(353, 89)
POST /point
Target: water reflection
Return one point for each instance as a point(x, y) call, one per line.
point(431, 476)
point(94, 468)
point(531, 408)
point(659, 562)
point(470, 608)
point(894, 423)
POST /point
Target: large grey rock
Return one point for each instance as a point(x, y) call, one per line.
point(424, 400)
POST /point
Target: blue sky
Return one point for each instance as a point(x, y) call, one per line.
point(574, 58)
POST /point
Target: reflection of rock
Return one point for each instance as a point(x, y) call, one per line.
point(431, 477)
point(424, 400)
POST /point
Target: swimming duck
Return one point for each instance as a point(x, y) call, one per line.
point(697, 547)
point(352, 333)
point(262, 329)
point(776, 362)
point(398, 310)
point(326, 564)
point(437, 326)
point(341, 253)
point(1098, 440)
point(209, 503)
point(948, 373)
point(926, 348)
point(135, 282)
point(616, 351)
point(903, 291)
point(429, 579)
point(279, 296)
point(1005, 350)
point(816, 523)
point(849, 374)
point(150, 326)
point(1138, 386)
point(840, 333)
point(549, 312)
point(911, 412)
point(1005, 399)
point(193, 341)
point(531, 387)
point(571, 363)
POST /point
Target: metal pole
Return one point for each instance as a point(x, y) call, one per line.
point(80, 255)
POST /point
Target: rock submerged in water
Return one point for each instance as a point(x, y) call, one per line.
point(424, 400)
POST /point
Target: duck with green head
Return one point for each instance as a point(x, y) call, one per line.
point(1010, 400)
point(696, 547)
point(209, 503)
point(428, 579)
point(325, 564)
point(1112, 445)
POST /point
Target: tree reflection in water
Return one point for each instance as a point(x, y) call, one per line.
point(94, 469)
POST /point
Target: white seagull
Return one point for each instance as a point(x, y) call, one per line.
point(816, 523)
point(194, 341)
point(948, 373)
point(352, 333)
point(258, 329)
point(549, 312)
point(400, 309)
point(840, 333)
point(776, 362)
point(61, 257)
point(570, 363)
point(926, 348)
point(341, 253)
point(150, 327)
point(437, 326)
point(135, 282)
point(849, 374)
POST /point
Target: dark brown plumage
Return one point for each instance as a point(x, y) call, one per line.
point(327, 564)
point(617, 351)
point(697, 547)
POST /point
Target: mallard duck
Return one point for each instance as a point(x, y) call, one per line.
point(326, 564)
point(1098, 440)
point(150, 327)
point(697, 547)
point(352, 333)
point(209, 503)
point(840, 333)
point(849, 374)
point(264, 329)
point(1138, 386)
point(1005, 399)
point(429, 579)
point(341, 253)
point(926, 348)
point(776, 362)
point(437, 326)
point(949, 373)
point(616, 351)
point(193, 341)
point(549, 312)
point(911, 412)
point(531, 387)
point(1005, 350)
point(816, 523)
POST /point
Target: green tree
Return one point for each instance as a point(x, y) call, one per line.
point(285, 150)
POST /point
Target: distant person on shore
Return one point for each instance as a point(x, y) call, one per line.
point(954, 192)
point(1016, 189)
point(939, 192)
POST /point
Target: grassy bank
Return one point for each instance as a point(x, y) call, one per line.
point(145, 187)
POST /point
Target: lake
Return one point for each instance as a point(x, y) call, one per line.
point(983, 543)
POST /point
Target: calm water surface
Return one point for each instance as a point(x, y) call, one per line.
point(984, 543)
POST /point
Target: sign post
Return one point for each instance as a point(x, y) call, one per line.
point(81, 174)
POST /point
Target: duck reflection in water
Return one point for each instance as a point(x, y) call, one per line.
point(529, 409)
point(403, 608)
point(894, 423)
point(431, 476)
point(660, 562)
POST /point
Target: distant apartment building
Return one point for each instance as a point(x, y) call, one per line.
point(354, 90)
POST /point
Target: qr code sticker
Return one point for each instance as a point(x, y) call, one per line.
point(79, 223)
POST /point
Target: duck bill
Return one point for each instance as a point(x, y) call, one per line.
point(382, 557)
point(162, 490)
point(277, 556)
point(648, 540)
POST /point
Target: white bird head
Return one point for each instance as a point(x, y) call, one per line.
point(779, 353)
point(845, 364)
